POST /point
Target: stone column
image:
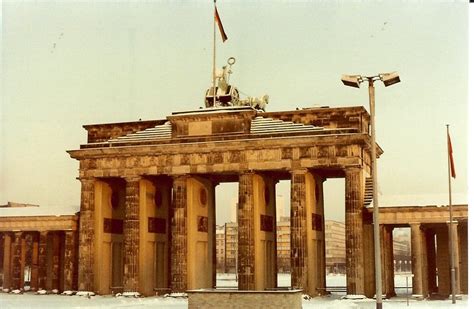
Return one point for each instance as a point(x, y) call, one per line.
point(69, 259)
point(354, 231)
point(131, 235)
point(246, 241)
point(455, 239)
point(386, 245)
point(16, 261)
point(419, 261)
point(212, 232)
point(86, 236)
point(7, 260)
point(298, 232)
point(179, 234)
point(463, 258)
point(42, 262)
point(443, 260)
point(34, 262)
point(56, 268)
point(431, 261)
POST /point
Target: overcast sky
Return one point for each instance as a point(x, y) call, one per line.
point(70, 63)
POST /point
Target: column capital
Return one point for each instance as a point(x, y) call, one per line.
point(455, 223)
point(86, 180)
point(299, 171)
point(132, 178)
point(180, 176)
point(352, 169)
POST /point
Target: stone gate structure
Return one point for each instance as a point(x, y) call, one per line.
point(46, 246)
point(147, 219)
point(429, 227)
point(147, 213)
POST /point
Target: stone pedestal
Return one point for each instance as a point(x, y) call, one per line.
point(131, 236)
point(86, 236)
point(354, 231)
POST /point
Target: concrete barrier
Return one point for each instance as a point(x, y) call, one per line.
point(210, 298)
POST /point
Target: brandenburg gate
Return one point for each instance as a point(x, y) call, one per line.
point(147, 214)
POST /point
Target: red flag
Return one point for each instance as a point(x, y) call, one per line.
point(219, 24)
point(451, 161)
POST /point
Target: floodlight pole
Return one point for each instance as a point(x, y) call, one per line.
point(378, 268)
point(354, 81)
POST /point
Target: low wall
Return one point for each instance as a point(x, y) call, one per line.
point(209, 298)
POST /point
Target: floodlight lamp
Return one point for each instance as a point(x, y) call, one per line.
point(351, 80)
point(389, 78)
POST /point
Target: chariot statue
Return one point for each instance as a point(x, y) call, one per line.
point(228, 95)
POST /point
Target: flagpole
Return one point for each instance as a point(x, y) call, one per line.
point(214, 58)
point(451, 247)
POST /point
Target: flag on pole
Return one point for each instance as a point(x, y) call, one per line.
point(451, 161)
point(219, 24)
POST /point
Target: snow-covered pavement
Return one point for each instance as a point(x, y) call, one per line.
point(31, 300)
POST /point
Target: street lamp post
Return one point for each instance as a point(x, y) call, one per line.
point(354, 81)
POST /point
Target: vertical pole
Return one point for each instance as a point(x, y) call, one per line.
point(214, 58)
point(451, 247)
point(378, 277)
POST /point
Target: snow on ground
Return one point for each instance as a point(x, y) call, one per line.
point(31, 300)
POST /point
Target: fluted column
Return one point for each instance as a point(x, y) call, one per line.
point(354, 231)
point(42, 263)
point(7, 240)
point(431, 260)
point(16, 261)
point(298, 232)
point(455, 246)
point(386, 245)
point(246, 245)
point(69, 259)
point(34, 262)
point(86, 236)
point(246, 241)
point(178, 235)
point(419, 261)
point(131, 235)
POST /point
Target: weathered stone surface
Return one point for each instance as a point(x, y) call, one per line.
point(86, 236)
point(354, 231)
point(298, 236)
point(16, 261)
point(179, 232)
point(103, 132)
point(69, 260)
point(131, 235)
point(244, 299)
point(246, 242)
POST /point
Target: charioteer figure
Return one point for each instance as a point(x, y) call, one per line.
point(228, 95)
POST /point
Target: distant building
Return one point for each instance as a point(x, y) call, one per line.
point(226, 247)
point(402, 250)
point(335, 247)
point(283, 244)
point(220, 245)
